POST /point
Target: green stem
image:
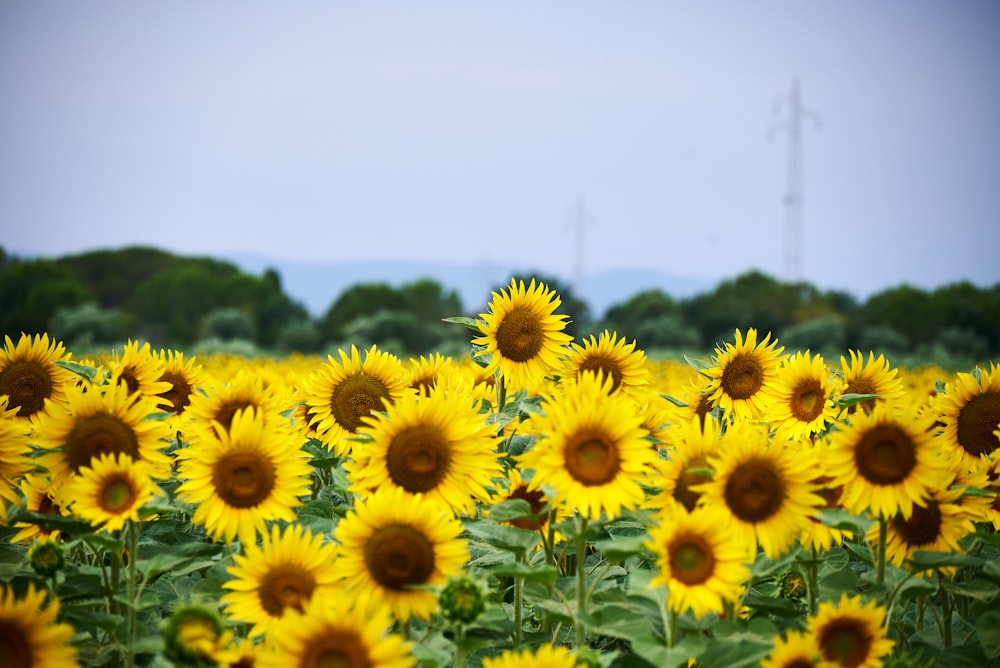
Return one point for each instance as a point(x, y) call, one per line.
point(812, 585)
point(581, 568)
point(501, 384)
point(880, 557)
point(518, 605)
point(460, 653)
point(133, 557)
point(946, 605)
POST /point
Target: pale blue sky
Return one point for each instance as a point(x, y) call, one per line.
point(466, 131)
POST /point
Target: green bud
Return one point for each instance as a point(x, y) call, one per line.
point(47, 556)
point(462, 600)
point(792, 584)
point(192, 636)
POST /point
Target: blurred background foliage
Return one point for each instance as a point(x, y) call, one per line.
point(101, 298)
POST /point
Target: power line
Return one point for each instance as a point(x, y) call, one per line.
point(794, 215)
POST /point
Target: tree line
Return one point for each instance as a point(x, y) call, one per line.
point(100, 298)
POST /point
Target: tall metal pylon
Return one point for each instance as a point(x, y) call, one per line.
point(580, 218)
point(794, 217)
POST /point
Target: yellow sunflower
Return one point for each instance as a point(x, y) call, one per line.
point(795, 650)
point(799, 402)
point(194, 636)
point(872, 377)
point(244, 477)
point(850, 633)
point(394, 542)
point(688, 446)
point(29, 632)
point(518, 488)
point(183, 376)
point(29, 374)
point(284, 573)
point(819, 536)
point(218, 404)
point(701, 563)
point(139, 369)
point(90, 423)
point(936, 525)
point(109, 491)
point(14, 451)
point(342, 393)
point(742, 372)
point(522, 336)
point(969, 412)
point(612, 357)
point(544, 656)
point(40, 498)
point(437, 444)
point(591, 450)
point(885, 461)
point(991, 473)
point(769, 491)
point(336, 632)
point(423, 373)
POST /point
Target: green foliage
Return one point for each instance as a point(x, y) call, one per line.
point(227, 324)
point(87, 325)
point(825, 335)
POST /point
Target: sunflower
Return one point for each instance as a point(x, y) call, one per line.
point(90, 423)
point(819, 536)
point(29, 373)
point(194, 636)
point(544, 656)
point(795, 650)
point(183, 376)
point(702, 564)
point(14, 451)
point(936, 525)
point(688, 446)
point(885, 461)
point(799, 401)
point(423, 373)
point(39, 497)
point(991, 473)
point(109, 491)
point(436, 444)
point(871, 377)
point(336, 632)
point(742, 372)
point(591, 449)
point(211, 412)
point(243, 477)
point(29, 632)
point(969, 412)
point(518, 488)
point(342, 393)
point(767, 490)
point(849, 633)
point(612, 357)
point(522, 336)
point(139, 369)
point(394, 543)
point(284, 573)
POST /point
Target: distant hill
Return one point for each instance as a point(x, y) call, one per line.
point(316, 284)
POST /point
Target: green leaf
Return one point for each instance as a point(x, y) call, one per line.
point(850, 399)
point(513, 509)
point(69, 525)
point(838, 518)
point(780, 607)
point(657, 653)
point(622, 547)
point(514, 539)
point(988, 630)
point(736, 653)
point(699, 365)
point(464, 321)
point(83, 370)
point(922, 560)
point(543, 573)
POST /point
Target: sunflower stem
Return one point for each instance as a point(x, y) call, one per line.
point(133, 543)
point(946, 609)
point(880, 557)
point(518, 604)
point(581, 571)
point(813, 573)
point(501, 384)
point(460, 653)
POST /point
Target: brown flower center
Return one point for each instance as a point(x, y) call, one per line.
point(243, 478)
point(355, 398)
point(690, 477)
point(128, 378)
point(27, 384)
point(977, 421)
point(418, 458)
point(605, 367)
point(861, 385)
point(705, 406)
point(536, 500)
point(691, 559)
point(179, 394)
point(15, 651)
point(337, 648)
point(285, 586)
point(885, 455)
point(118, 495)
point(224, 415)
point(755, 491)
point(808, 400)
point(96, 435)
point(591, 458)
point(519, 335)
point(845, 641)
point(743, 376)
point(398, 555)
point(923, 527)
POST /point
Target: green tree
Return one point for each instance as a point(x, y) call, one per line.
point(360, 299)
point(32, 291)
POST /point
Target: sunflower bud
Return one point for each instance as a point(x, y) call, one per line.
point(462, 599)
point(47, 556)
point(193, 636)
point(792, 585)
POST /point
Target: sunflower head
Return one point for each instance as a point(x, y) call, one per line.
point(193, 636)
point(521, 334)
point(610, 357)
point(109, 492)
point(799, 400)
point(47, 556)
point(874, 376)
point(544, 656)
point(969, 412)
point(29, 633)
point(742, 372)
point(850, 633)
point(463, 599)
point(29, 374)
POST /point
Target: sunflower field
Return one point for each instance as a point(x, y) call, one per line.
point(542, 501)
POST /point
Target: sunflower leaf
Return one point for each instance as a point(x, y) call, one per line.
point(924, 560)
point(988, 630)
point(464, 321)
point(541, 573)
point(504, 537)
point(850, 399)
point(512, 509)
point(83, 370)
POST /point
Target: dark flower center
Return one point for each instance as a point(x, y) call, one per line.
point(861, 385)
point(520, 336)
point(15, 651)
point(690, 477)
point(885, 455)
point(845, 641)
point(355, 398)
point(337, 648)
point(755, 491)
point(118, 495)
point(807, 400)
point(977, 421)
point(418, 458)
point(536, 500)
point(96, 435)
point(398, 555)
point(691, 559)
point(591, 458)
point(923, 527)
point(243, 479)
point(742, 377)
point(285, 586)
point(224, 415)
point(605, 367)
point(128, 378)
point(179, 394)
point(27, 384)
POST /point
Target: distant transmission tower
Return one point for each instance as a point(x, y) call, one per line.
point(580, 218)
point(793, 194)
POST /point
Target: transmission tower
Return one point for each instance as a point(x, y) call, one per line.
point(794, 218)
point(580, 219)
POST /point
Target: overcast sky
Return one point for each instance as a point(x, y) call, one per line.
point(468, 132)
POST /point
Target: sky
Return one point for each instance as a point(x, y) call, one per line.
point(570, 137)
